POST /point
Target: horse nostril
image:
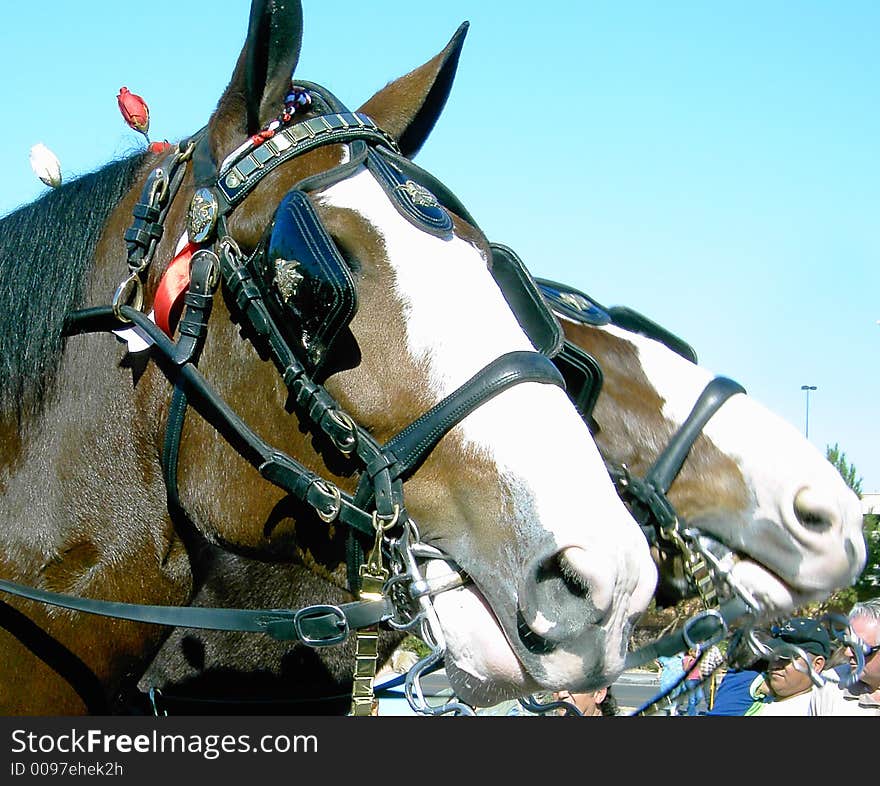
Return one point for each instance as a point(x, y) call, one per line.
point(588, 575)
point(811, 511)
point(566, 591)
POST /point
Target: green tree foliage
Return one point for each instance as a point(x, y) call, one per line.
point(847, 471)
point(868, 585)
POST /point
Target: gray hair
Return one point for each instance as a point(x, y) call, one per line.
point(867, 608)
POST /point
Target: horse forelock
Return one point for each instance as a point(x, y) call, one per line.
point(46, 249)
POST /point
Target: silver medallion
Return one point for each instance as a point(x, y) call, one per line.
point(576, 302)
point(203, 212)
point(419, 195)
point(287, 278)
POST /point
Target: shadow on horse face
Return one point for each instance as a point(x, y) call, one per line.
point(411, 305)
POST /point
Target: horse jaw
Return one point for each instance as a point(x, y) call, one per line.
point(480, 665)
point(483, 667)
point(801, 537)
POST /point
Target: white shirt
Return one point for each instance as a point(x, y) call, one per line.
point(856, 701)
point(819, 700)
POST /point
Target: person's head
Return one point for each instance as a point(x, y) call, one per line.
point(864, 620)
point(590, 704)
point(788, 672)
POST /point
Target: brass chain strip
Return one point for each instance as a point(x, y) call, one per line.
point(695, 566)
point(373, 575)
point(698, 572)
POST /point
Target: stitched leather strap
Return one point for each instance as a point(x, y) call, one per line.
point(412, 445)
point(316, 626)
point(239, 177)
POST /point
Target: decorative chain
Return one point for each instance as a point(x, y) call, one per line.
point(373, 575)
point(695, 566)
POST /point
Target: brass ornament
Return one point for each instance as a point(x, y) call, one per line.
point(574, 301)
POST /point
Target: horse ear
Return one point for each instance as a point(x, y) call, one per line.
point(409, 107)
point(261, 79)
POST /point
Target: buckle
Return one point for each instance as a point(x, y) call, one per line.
point(711, 636)
point(316, 618)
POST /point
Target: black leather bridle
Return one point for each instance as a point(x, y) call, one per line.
point(376, 511)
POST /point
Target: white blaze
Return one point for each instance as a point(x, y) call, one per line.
point(776, 460)
point(458, 322)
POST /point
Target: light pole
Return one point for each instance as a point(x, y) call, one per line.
point(807, 389)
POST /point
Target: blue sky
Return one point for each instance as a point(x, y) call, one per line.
point(712, 165)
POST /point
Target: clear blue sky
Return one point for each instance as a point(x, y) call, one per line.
point(715, 166)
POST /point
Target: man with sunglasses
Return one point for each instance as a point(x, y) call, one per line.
point(797, 647)
point(862, 698)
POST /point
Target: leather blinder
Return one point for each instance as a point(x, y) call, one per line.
point(305, 281)
point(525, 300)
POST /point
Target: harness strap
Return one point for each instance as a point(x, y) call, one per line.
point(670, 461)
point(277, 467)
point(411, 446)
point(155, 201)
point(315, 626)
point(647, 496)
point(204, 269)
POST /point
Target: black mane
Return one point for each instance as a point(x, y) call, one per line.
point(46, 248)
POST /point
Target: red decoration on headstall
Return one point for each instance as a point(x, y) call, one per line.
point(159, 147)
point(134, 110)
point(168, 302)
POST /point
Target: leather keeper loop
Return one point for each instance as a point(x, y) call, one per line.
point(142, 236)
point(146, 212)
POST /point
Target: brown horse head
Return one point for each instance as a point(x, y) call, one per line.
point(783, 526)
point(353, 302)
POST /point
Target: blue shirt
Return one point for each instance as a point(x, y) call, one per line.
point(671, 670)
point(733, 696)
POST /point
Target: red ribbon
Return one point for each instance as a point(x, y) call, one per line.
point(169, 297)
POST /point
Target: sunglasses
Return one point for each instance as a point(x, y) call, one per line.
point(868, 651)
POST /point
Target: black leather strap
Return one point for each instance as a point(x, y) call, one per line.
point(526, 301)
point(670, 461)
point(412, 445)
point(583, 379)
point(316, 626)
